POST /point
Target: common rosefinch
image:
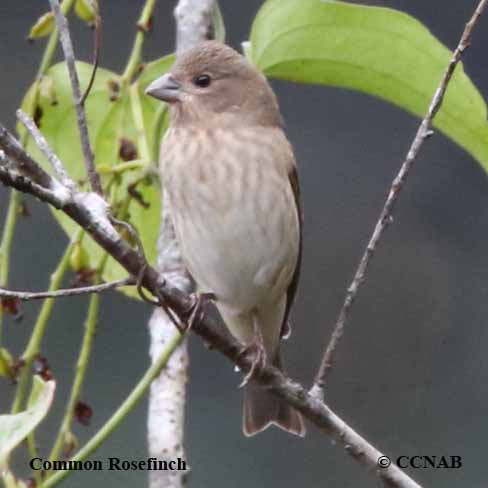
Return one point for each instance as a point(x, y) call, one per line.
point(231, 179)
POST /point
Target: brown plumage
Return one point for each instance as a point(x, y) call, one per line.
point(231, 179)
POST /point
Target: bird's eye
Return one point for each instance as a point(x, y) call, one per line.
point(202, 81)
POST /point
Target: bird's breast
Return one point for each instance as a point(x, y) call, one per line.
point(233, 210)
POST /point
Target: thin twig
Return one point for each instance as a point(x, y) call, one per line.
point(69, 292)
point(25, 164)
point(23, 184)
point(96, 52)
point(423, 133)
point(43, 145)
point(69, 55)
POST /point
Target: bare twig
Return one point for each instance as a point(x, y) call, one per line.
point(69, 292)
point(193, 22)
point(423, 133)
point(69, 55)
point(96, 52)
point(42, 144)
point(23, 184)
point(88, 210)
point(23, 162)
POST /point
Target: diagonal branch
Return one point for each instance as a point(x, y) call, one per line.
point(69, 55)
point(23, 184)
point(423, 133)
point(42, 144)
point(23, 162)
point(69, 292)
point(93, 218)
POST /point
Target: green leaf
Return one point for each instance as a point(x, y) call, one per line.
point(379, 51)
point(15, 428)
point(110, 121)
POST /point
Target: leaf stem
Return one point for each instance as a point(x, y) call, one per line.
point(85, 351)
point(123, 167)
point(81, 367)
point(6, 245)
point(135, 55)
point(52, 44)
point(32, 449)
point(37, 333)
point(121, 413)
point(135, 103)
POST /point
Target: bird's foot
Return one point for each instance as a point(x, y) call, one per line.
point(197, 308)
point(258, 352)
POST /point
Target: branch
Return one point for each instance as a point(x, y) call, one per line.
point(23, 184)
point(69, 292)
point(42, 144)
point(167, 398)
point(193, 22)
point(69, 55)
point(97, 224)
point(23, 162)
point(385, 218)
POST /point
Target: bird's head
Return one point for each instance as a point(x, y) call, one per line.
point(213, 84)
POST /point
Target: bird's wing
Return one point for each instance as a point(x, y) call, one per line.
point(292, 288)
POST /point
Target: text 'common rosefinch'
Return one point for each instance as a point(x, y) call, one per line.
point(231, 180)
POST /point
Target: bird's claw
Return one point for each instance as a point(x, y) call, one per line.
point(256, 348)
point(197, 308)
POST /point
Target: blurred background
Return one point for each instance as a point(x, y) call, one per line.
point(411, 372)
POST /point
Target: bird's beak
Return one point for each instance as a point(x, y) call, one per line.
point(165, 88)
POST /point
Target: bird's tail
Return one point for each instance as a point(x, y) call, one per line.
point(262, 409)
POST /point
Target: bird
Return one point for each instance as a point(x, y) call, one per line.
point(231, 179)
